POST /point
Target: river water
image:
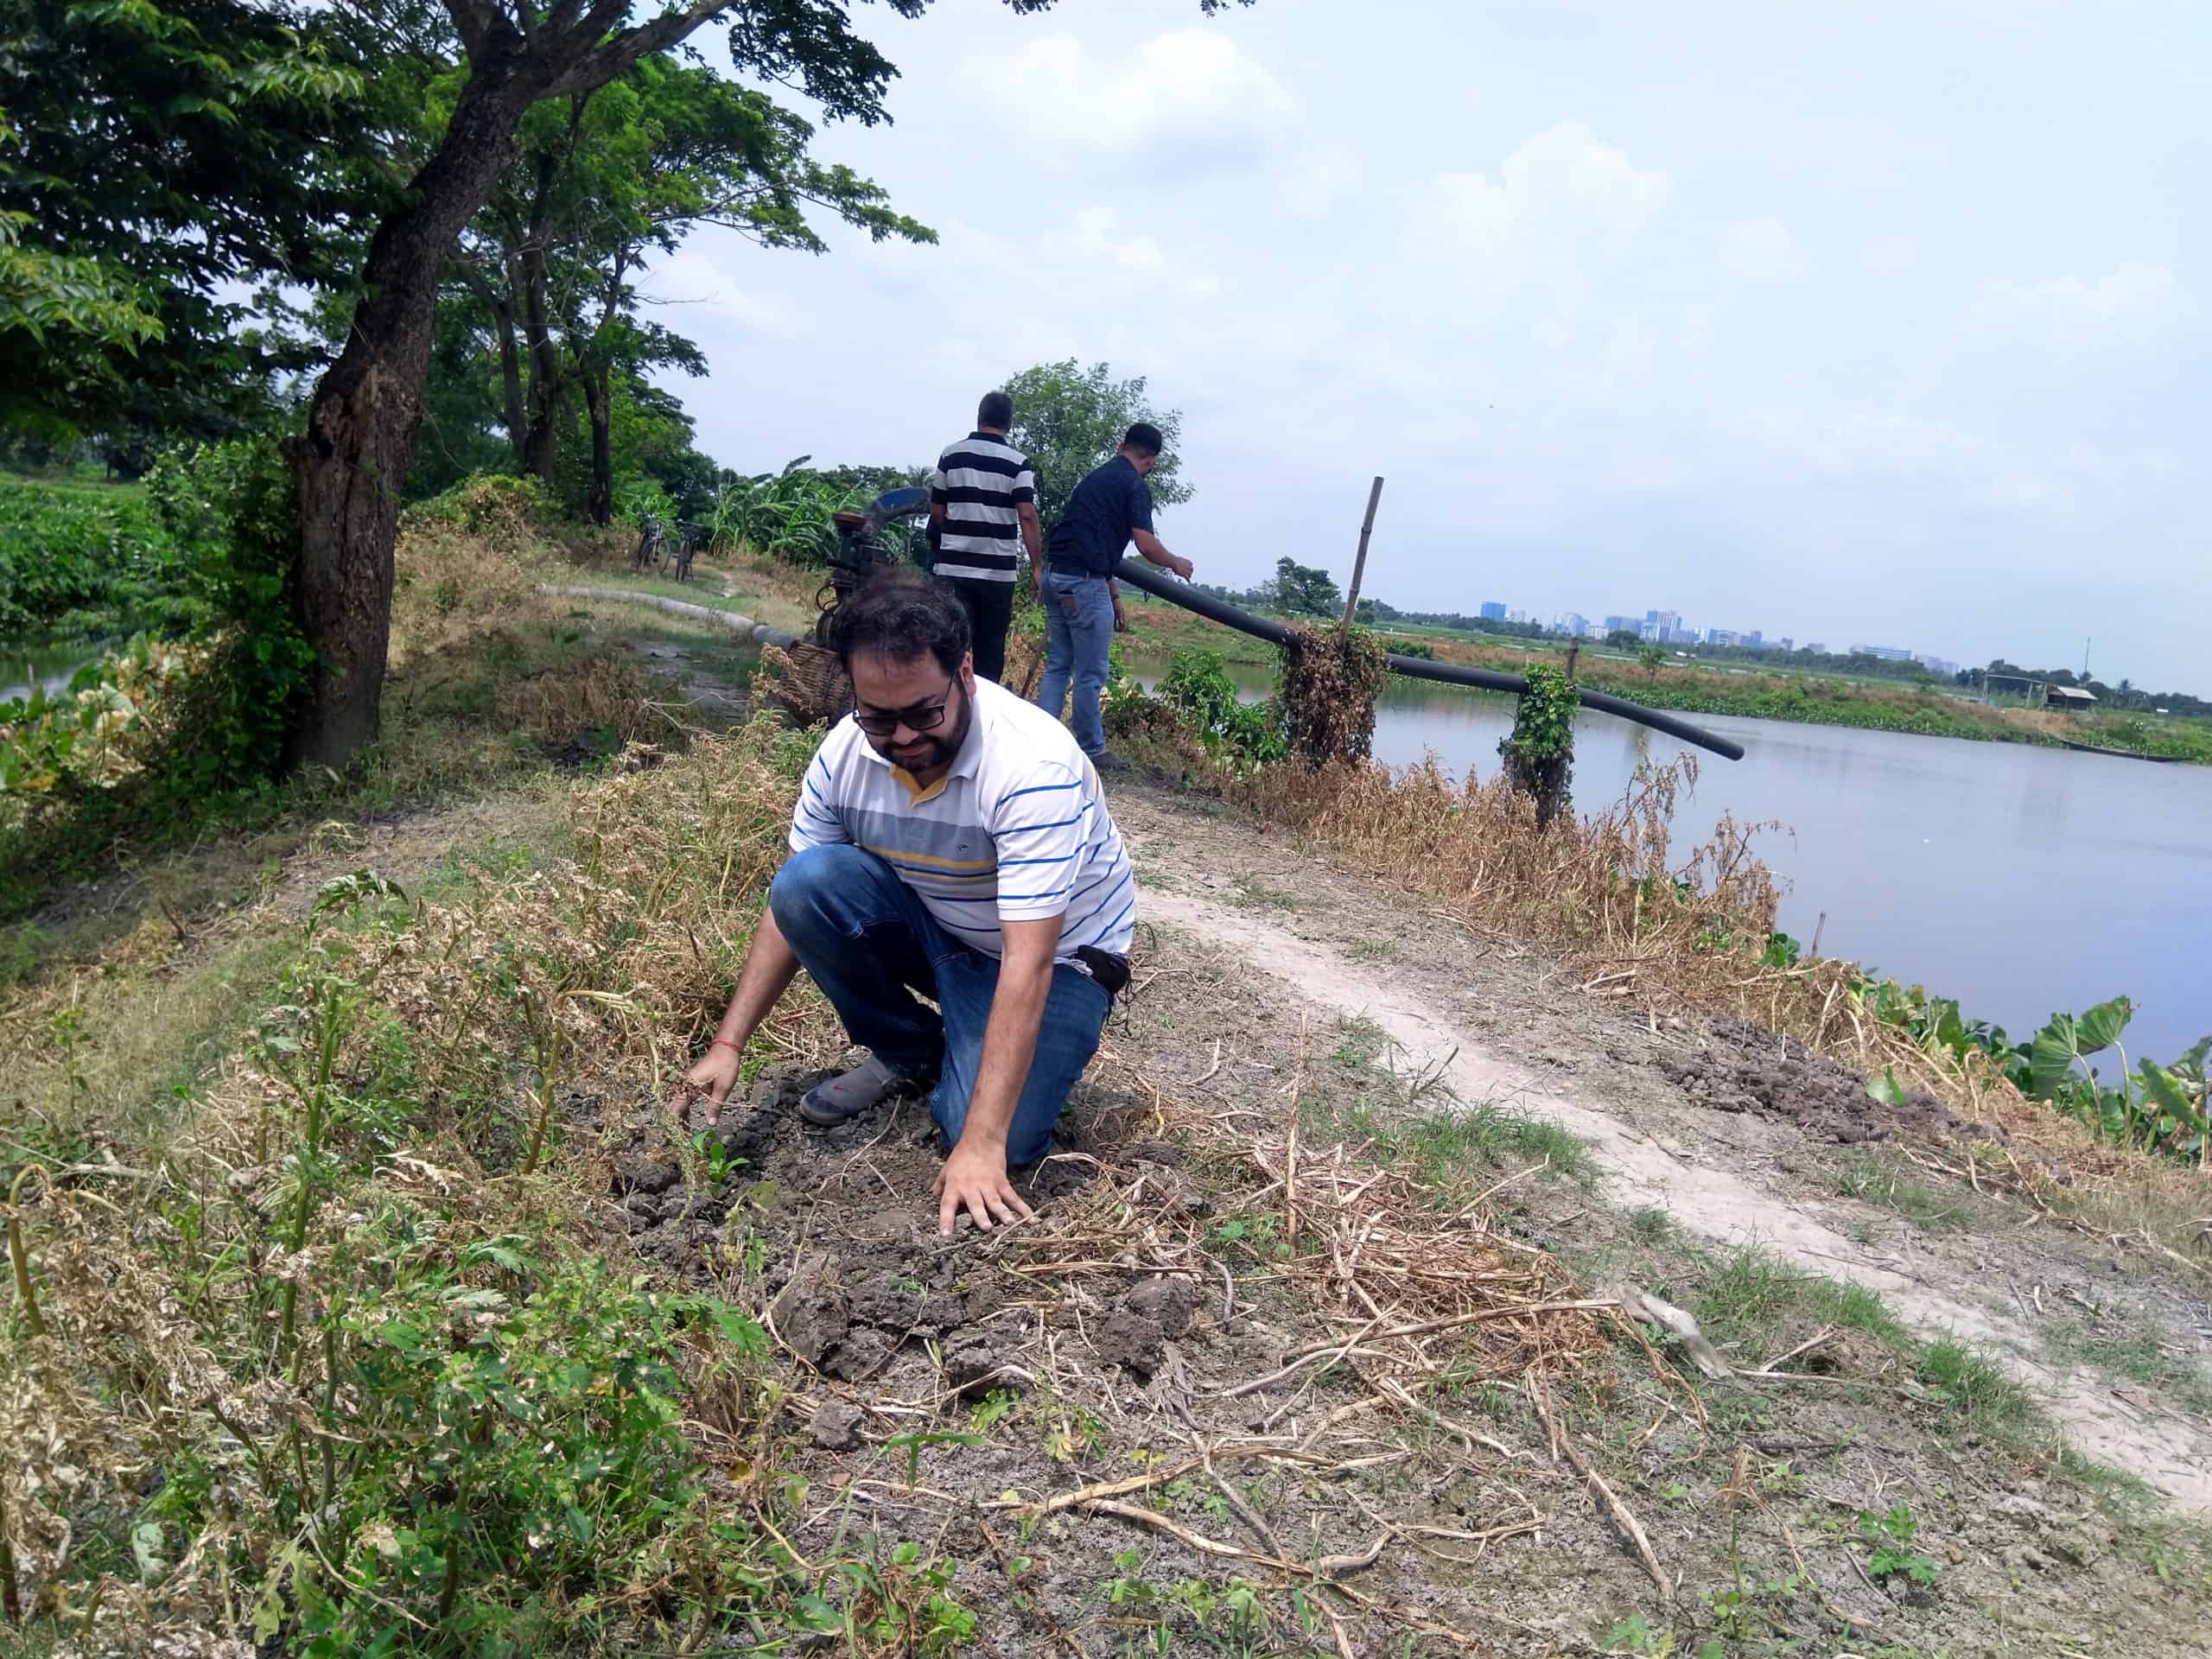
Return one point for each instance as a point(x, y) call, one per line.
point(46, 663)
point(2020, 881)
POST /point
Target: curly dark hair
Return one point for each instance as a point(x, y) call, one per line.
point(904, 615)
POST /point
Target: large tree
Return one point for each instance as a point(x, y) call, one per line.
point(1306, 590)
point(604, 181)
point(198, 152)
point(362, 425)
point(1068, 419)
point(160, 160)
point(353, 459)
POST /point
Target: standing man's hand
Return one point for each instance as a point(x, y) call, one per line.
point(712, 1079)
point(1181, 566)
point(1121, 616)
point(975, 1179)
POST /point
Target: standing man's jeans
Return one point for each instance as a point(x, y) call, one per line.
point(870, 944)
point(1078, 635)
point(989, 606)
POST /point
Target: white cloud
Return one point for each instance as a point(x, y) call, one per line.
point(1094, 254)
point(2069, 304)
point(1313, 183)
point(1190, 92)
point(1761, 251)
point(688, 279)
point(1562, 195)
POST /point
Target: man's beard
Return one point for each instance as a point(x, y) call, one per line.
point(936, 748)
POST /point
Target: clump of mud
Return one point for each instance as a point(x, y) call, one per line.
point(1747, 1069)
point(841, 1227)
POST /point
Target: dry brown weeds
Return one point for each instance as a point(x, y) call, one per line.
point(1636, 918)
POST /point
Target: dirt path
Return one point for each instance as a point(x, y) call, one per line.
point(1473, 1017)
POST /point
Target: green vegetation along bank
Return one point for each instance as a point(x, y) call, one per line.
point(1158, 630)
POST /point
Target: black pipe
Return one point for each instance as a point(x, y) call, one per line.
point(1138, 574)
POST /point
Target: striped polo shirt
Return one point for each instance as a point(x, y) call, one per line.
point(980, 481)
point(1016, 830)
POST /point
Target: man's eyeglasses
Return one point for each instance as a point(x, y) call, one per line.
point(921, 717)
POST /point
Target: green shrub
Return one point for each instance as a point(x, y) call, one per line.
point(231, 510)
point(1539, 752)
point(1197, 687)
point(151, 738)
point(78, 554)
point(491, 504)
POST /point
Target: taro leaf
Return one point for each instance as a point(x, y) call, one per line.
point(2101, 1025)
point(2068, 1041)
point(2050, 1058)
point(2172, 1094)
point(1886, 1089)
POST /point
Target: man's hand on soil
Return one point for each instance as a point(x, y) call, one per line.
point(712, 1079)
point(975, 1178)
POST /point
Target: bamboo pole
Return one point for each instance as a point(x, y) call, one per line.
point(1359, 564)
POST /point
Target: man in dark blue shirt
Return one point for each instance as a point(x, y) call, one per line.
point(1109, 508)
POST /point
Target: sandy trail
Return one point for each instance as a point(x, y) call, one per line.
point(1718, 1202)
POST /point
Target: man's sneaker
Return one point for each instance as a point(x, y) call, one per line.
point(842, 1098)
point(1107, 761)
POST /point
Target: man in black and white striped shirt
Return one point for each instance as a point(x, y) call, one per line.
point(983, 505)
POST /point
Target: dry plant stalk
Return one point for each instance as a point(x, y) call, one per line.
point(1563, 1442)
point(1290, 1131)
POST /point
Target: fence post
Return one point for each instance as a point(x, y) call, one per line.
point(1359, 565)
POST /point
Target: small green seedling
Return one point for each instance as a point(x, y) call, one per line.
point(1890, 1539)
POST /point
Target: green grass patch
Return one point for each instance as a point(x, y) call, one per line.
point(1751, 1296)
point(2132, 1346)
point(1455, 1149)
point(1256, 894)
point(1874, 1181)
point(1363, 1043)
point(1975, 1385)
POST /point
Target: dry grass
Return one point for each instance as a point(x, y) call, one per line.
point(466, 1030)
point(1633, 917)
point(158, 1246)
point(478, 1028)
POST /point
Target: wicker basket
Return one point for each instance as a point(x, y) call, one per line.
point(807, 681)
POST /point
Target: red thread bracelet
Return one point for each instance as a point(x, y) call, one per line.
point(724, 1042)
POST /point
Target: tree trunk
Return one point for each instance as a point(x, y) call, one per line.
point(501, 305)
point(548, 378)
point(599, 393)
point(599, 397)
point(503, 320)
point(352, 459)
point(538, 440)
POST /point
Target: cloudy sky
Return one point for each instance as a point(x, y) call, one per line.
point(1866, 322)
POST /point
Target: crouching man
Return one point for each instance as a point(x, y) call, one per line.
point(950, 840)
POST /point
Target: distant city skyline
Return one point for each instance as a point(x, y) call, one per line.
point(1667, 627)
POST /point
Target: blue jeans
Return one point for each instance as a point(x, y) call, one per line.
point(870, 944)
point(1078, 635)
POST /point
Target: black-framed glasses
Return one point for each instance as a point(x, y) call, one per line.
point(920, 717)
